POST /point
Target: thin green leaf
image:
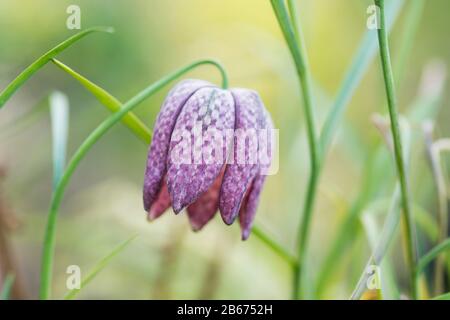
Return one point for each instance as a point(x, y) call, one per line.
point(431, 255)
point(425, 106)
point(41, 61)
point(445, 296)
point(361, 62)
point(410, 27)
point(110, 102)
point(7, 287)
point(99, 266)
point(390, 226)
point(276, 247)
point(59, 114)
point(389, 287)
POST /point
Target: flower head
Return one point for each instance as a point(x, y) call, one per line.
point(210, 152)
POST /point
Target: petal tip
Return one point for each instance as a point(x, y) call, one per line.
point(228, 219)
point(196, 227)
point(245, 234)
point(177, 207)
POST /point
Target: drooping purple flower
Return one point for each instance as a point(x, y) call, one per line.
point(205, 154)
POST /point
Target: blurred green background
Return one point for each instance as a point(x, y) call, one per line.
point(103, 204)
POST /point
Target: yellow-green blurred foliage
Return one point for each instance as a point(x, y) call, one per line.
point(103, 204)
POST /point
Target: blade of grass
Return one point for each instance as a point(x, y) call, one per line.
point(294, 40)
point(292, 35)
point(445, 296)
point(98, 267)
point(361, 61)
point(139, 129)
point(430, 256)
point(425, 106)
point(410, 27)
point(110, 102)
point(434, 152)
point(276, 247)
point(42, 61)
point(411, 248)
point(7, 287)
point(389, 287)
point(59, 113)
point(390, 225)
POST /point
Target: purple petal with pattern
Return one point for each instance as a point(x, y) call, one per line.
point(206, 206)
point(161, 203)
point(197, 149)
point(250, 204)
point(157, 156)
point(238, 176)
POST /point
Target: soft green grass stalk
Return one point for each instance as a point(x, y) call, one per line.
point(275, 246)
point(400, 163)
point(353, 77)
point(423, 107)
point(296, 46)
point(361, 62)
point(388, 289)
point(98, 267)
point(5, 293)
point(441, 248)
point(42, 61)
point(387, 234)
point(411, 25)
point(390, 225)
point(433, 154)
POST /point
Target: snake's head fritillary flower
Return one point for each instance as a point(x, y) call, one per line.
point(210, 152)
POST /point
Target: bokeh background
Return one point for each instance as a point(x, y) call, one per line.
point(103, 205)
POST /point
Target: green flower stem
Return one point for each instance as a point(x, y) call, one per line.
point(144, 133)
point(276, 247)
point(39, 63)
point(400, 163)
point(296, 46)
point(49, 241)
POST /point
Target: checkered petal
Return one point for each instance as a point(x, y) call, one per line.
point(206, 206)
point(157, 155)
point(161, 203)
point(198, 148)
point(249, 206)
point(238, 175)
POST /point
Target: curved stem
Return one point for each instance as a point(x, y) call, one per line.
point(400, 163)
point(276, 247)
point(49, 241)
point(296, 46)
